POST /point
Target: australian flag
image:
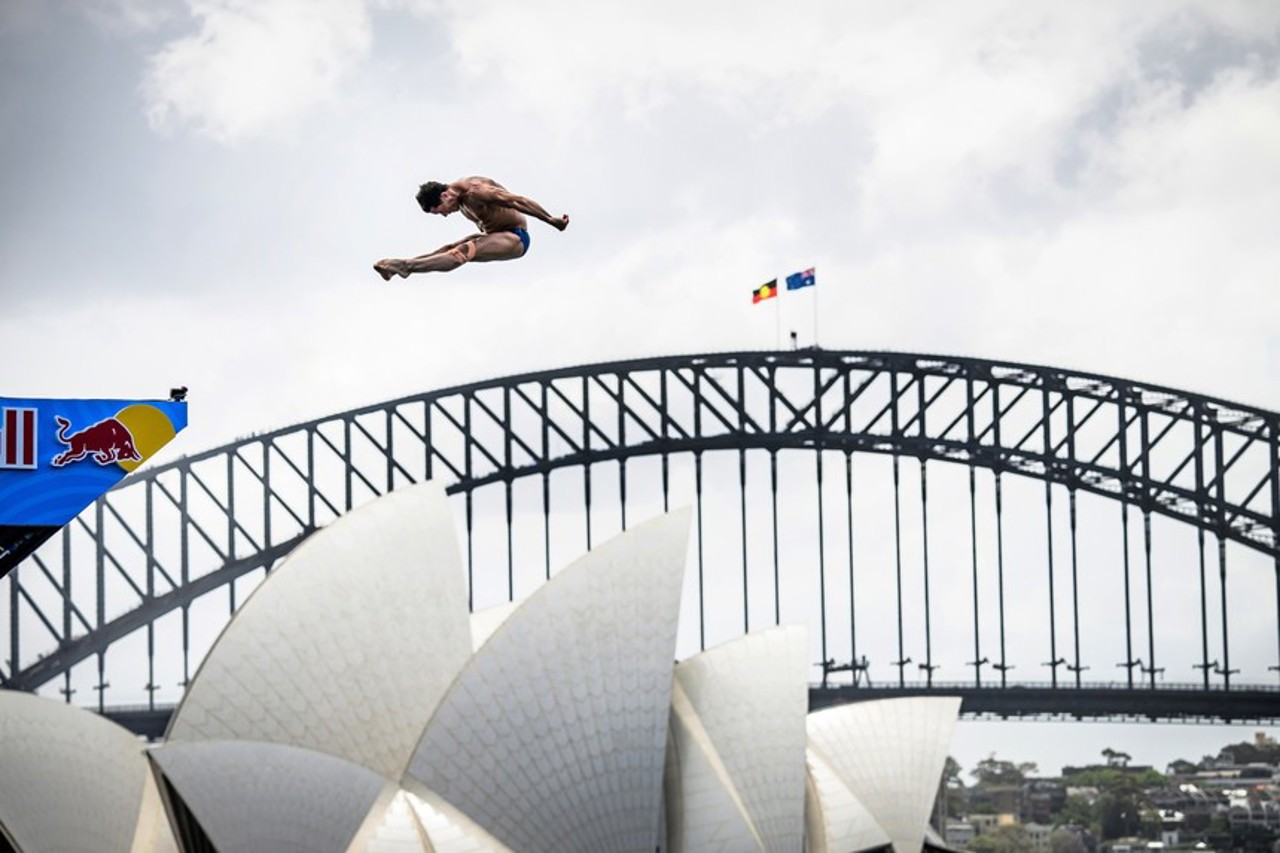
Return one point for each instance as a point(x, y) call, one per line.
point(795, 281)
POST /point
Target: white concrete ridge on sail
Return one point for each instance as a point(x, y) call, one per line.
point(890, 753)
point(553, 736)
point(835, 819)
point(751, 690)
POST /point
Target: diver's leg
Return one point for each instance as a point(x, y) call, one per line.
point(438, 262)
point(502, 246)
point(386, 268)
point(499, 246)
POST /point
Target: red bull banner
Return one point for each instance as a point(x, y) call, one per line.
point(58, 456)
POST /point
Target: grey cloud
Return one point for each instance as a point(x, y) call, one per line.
point(1193, 60)
point(251, 70)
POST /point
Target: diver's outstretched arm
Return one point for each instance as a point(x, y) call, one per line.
point(527, 206)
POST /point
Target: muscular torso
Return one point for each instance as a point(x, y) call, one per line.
point(487, 216)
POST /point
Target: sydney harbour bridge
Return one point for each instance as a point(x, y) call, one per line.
point(1041, 542)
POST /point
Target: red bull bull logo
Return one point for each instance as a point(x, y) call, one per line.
point(106, 441)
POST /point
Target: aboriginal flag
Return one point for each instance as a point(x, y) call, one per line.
point(795, 281)
point(768, 290)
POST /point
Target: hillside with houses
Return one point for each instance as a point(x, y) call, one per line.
point(1224, 802)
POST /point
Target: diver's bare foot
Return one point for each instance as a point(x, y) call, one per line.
point(561, 223)
point(385, 269)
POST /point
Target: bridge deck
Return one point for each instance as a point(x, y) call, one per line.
point(1172, 703)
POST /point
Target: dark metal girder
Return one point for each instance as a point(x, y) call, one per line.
point(1246, 418)
point(1246, 704)
point(19, 542)
point(74, 651)
point(1188, 704)
point(801, 415)
point(1135, 490)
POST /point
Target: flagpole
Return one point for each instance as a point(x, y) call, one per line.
point(777, 322)
point(815, 315)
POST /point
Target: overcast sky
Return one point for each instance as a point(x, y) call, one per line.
point(196, 189)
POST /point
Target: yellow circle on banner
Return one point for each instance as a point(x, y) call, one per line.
point(151, 430)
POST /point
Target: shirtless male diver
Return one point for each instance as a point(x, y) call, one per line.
point(498, 214)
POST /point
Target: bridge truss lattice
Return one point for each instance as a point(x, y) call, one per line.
point(546, 463)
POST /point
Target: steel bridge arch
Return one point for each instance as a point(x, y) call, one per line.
point(1206, 462)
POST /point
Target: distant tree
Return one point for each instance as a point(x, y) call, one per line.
point(1238, 753)
point(1065, 841)
point(1264, 750)
point(1079, 810)
point(1181, 767)
point(1252, 837)
point(1115, 758)
point(953, 788)
point(1218, 823)
point(1120, 807)
point(1002, 839)
point(992, 771)
point(1104, 777)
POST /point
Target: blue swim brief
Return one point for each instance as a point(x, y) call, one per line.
point(523, 234)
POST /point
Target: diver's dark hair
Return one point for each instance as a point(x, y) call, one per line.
point(429, 194)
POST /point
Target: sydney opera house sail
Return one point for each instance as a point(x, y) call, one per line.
point(346, 647)
point(354, 705)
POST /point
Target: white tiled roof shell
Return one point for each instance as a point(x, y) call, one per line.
point(704, 812)
point(318, 657)
point(71, 780)
point(553, 737)
point(402, 822)
point(390, 827)
point(890, 753)
point(750, 696)
point(154, 834)
point(252, 797)
point(450, 831)
point(485, 622)
point(836, 822)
